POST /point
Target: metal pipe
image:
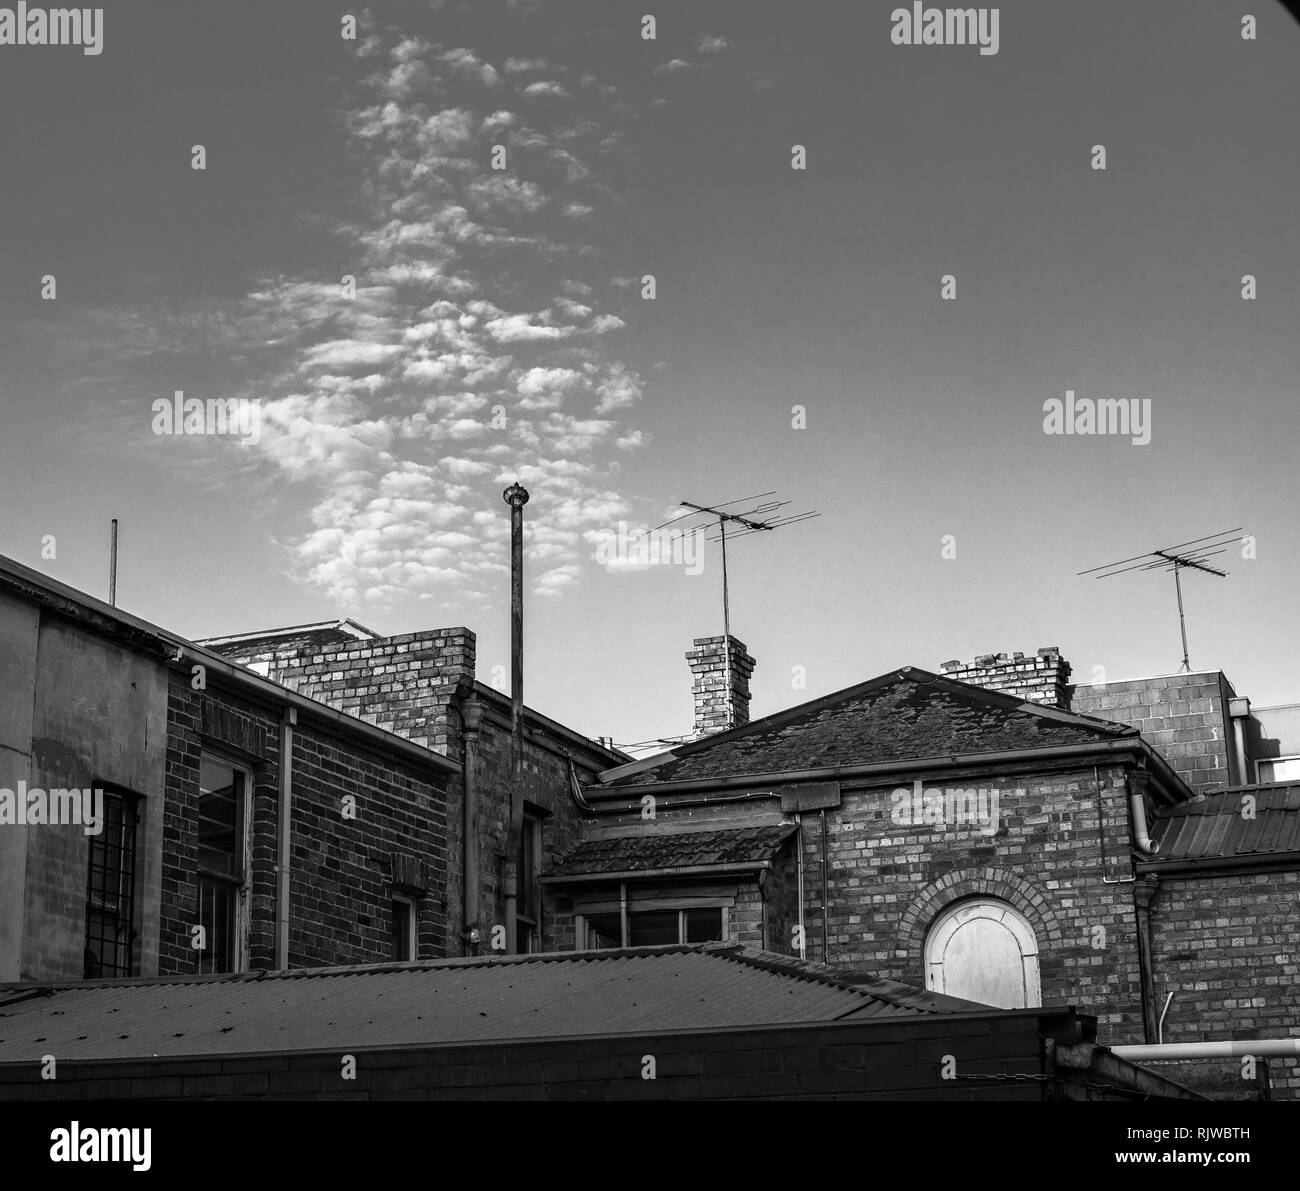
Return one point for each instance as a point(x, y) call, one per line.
point(112, 566)
point(516, 497)
point(1261, 1048)
point(622, 914)
point(798, 818)
point(826, 898)
point(1141, 837)
point(284, 827)
point(471, 716)
point(1160, 1025)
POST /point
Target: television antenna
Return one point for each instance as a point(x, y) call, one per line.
point(1184, 556)
point(762, 517)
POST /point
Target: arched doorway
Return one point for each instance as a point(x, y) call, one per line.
point(983, 950)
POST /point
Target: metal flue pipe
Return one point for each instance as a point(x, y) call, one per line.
point(516, 497)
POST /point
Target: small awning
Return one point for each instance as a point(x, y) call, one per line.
point(701, 852)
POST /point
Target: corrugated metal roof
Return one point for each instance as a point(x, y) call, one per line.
point(1224, 824)
point(441, 1002)
point(683, 849)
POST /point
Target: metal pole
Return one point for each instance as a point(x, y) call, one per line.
point(1182, 624)
point(516, 497)
point(112, 567)
point(726, 620)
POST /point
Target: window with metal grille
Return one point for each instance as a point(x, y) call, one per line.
point(110, 890)
point(223, 793)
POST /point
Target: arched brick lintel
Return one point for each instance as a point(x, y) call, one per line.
point(954, 886)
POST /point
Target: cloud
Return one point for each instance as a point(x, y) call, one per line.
point(708, 43)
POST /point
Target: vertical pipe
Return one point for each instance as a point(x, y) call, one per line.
point(1182, 624)
point(112, 566)
point(798, 818)
point(826, 897)
point(516, 497)
point(623, 936)
point(726, 623)
point(471, 715)
point(284, 812)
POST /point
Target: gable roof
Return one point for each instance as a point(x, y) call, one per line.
point(444, 1002)
point(1212, 827)
point(673, 850)
point(906, 715)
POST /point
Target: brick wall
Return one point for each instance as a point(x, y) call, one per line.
point(1228, 946)
point(720, 703)
point(341, 876)
point(1184, 717)
point(1042, 678)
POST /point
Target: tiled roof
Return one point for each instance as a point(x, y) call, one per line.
point(663, 850)
point(905, 715)
point(1216, 825)
point(432, 1004)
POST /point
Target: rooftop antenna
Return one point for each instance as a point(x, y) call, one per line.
point(1184, 556)
point(761, 517)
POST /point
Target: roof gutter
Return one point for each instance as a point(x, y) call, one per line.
point(687, 870)
point(1133, 744)
point(78, 606)
point(1249, 862)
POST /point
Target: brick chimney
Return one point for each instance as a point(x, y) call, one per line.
point(1042, 679)
point(720, 704)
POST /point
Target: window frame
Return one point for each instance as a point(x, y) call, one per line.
point(529, 925)
point(958, 914)
point(238, 885)
point(1260, 780)
point(647, 906)
point(130, 896)
point(412, 925)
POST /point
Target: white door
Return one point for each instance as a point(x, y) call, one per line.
point(984, 951)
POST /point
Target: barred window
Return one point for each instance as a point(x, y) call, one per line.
point(110, 891)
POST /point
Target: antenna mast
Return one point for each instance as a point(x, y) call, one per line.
point(1184, 556)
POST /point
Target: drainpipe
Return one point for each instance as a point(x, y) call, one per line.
point(288, 718)
point(622, 914)
point(1239, 710)
point(1137, 808)
point(798, 839)
point(1144, 893)
point(471, 718)
point(826, 898)
point(1160, 1025)
point(1101, 828)
point(516, 497)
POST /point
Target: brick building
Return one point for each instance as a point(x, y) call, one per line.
point(244, 823)
point(993, 832)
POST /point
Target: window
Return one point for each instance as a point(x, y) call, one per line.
point(984, 951)
point(654, 928)
point(110, 891)
point(404, 918)
point(528, 912)
point(1278, 769)
point(223, 816)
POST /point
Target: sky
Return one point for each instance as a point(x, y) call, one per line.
point(500, 177)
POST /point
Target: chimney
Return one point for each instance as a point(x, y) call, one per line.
point(721, 666)
point(1041, 679)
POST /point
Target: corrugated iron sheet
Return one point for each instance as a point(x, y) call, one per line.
point(1225, 824)
point(426, 1004)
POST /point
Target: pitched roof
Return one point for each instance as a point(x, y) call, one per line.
point(675, 850)
point(437, 1003)
point(905, 715)
point(1214, 826)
